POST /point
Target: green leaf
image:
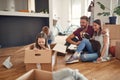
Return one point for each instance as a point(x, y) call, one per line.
point(99, 14)
point(104, 14)
point(101, 5)
point(117, 10)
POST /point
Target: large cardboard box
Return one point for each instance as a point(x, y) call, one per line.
point(40, 59)
point(114, 31)
point(36, 75)
point(113, 42)
point(117, 50)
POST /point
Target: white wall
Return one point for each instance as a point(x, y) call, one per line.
point(3, 4)
point(119, 16)
point(21, 4)
point(66, 13)
point(57, 9)
point(17, 4)
point(61, 10)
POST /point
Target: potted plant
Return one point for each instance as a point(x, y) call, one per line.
point(112, 19)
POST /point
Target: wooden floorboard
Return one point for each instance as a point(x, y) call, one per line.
point(103, 71)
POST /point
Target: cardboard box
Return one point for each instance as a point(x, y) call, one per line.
point(114, 31)
point(41, 59)
point(113, 42)
point(36, 75)
point(117, 50)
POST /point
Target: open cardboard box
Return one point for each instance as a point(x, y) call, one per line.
point(35, 74)
point(113, 42)
point(114, 38)
point(40, 59)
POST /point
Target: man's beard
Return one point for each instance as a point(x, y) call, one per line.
point(83, 26)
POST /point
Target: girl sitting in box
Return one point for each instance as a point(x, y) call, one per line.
point(40, 42)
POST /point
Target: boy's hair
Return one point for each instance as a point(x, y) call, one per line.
point(41, 35)
point(85, 18)
point(45, 29)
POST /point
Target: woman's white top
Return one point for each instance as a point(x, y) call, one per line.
point(100, 39)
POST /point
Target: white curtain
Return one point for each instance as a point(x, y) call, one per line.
point(78, 9)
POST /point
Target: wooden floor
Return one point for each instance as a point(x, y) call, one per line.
point(103, 71)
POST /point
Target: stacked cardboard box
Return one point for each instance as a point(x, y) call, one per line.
point(117, 50)
point(40, 59)
point(114, 37)
point(114, 33)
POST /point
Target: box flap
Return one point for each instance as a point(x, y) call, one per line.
point(60, 48)
point(36, 75)
point(27, 76)
point(39, 56)
point(43, 75)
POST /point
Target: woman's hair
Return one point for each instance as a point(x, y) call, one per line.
point(41, 35)
point(97, 21)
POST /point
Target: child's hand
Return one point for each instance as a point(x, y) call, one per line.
point(42, 46)
point(35, 49)
point(47, 49)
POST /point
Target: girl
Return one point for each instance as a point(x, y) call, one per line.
point(40, 42)
point(99, 35)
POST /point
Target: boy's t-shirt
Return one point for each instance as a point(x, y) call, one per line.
point(89, 30)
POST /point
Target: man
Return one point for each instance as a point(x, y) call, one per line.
point(85, 27)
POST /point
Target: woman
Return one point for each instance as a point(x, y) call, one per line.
point(101, 35)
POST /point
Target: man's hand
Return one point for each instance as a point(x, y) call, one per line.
point(77, 43)
point(104, 31)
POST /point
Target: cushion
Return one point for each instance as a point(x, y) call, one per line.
point(112, 50)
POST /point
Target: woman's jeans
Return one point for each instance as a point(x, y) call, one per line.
point(90, 55)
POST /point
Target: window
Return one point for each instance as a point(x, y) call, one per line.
point(78, 9)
